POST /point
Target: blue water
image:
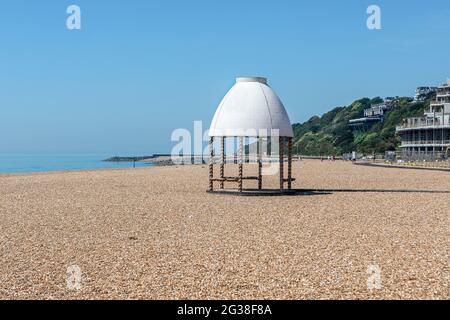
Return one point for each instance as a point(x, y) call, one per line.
point(14, 163)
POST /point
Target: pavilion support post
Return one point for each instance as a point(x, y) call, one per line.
point(222, 161)
point(241, 162)
point(289, 163)
point(211, 163)
point(259, 159)
point(281, 146)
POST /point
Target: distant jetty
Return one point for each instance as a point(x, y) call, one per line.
point(157, 159)
point(161, 159)
point(128, 159)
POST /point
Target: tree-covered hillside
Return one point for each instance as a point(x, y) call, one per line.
point(330, 134)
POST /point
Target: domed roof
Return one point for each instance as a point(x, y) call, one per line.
point(250, 106)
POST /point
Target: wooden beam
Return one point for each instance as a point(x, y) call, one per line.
point(281, 152)
point(227, 179)
point(241, 160)
point(259, 157)
point(289, 163)
point(211, 163)
point(236, 179)
point(222, 161)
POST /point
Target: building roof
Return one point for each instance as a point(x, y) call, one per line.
point(250, 108)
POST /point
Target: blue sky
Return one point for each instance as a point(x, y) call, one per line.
point(137, 70)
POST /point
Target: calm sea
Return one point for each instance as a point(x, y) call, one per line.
point(13, 163)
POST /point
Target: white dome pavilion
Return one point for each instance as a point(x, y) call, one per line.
point(251, 109)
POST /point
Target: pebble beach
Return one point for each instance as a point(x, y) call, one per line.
point(154, 233)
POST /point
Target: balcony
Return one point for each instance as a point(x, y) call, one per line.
point(425, 124)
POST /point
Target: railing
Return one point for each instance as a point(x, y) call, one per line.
point(437, 159)
point(405, 157)
point(440, 142)
point(437, 103)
